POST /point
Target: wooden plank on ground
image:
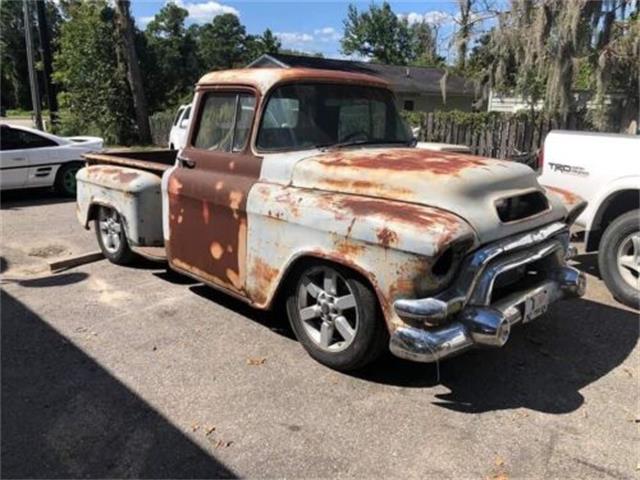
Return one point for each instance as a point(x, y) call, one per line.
point(74, 261)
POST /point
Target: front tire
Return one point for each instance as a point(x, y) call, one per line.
point(619, 258)
point(112, 238)
point(336, 317)
point(65, 183)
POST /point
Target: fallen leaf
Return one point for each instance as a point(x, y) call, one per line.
point(210, 431)
point(499, 461)
point(256, 360)
point(195, 427)
point(628, 372)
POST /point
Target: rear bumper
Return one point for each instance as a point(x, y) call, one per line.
point(465, 316)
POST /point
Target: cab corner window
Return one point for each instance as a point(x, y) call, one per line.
point(225, 122)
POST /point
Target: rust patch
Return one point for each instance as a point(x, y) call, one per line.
point(235, 198)
point(291, 203)
point(237, 278)
point(264, 79)
point(404, 160)
point(387, 237)
point(216, 250)
point(404, 212)
point(206, 214)
point(117, 174)
point(349, 249)
point(265, 277)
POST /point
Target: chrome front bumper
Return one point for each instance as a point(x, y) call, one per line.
point(463, 316)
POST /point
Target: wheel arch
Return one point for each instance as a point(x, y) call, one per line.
point(92, 215)
point(76, 162)
point(615, 204)
point(308, 257)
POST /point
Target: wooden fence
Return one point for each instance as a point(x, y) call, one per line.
point(497, 138)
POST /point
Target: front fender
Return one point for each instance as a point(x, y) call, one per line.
point(393, 244)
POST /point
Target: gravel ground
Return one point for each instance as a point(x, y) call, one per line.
point(137, 372)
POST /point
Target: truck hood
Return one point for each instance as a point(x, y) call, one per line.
point(465, 185)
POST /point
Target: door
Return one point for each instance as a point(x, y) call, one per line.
point(14, 161)
point(45, 157)
point(208, 191)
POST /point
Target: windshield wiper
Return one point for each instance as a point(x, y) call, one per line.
point(353, 143)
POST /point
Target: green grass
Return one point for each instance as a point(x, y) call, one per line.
point(17, 113)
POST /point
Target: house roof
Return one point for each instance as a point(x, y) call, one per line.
point(403, 79)
point(263, 79)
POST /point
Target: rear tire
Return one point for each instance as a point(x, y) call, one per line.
point(619, 258)
point(65, 183)
point(111, 237)
point(335, 316)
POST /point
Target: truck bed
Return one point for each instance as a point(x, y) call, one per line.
point(156, 161)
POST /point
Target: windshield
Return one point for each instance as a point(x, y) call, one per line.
point(303, 116)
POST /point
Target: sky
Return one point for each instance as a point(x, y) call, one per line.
point(311, 26)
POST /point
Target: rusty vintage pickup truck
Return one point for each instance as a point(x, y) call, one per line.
point(304, 187)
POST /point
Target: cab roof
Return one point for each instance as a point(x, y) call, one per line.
point(263, 79)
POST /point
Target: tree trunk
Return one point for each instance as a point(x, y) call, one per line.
point(134, 77)
point(464, 32)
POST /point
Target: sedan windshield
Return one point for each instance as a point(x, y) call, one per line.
point(304, 116)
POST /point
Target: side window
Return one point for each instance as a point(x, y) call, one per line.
point(187, 113)
point(177, 117)
point(9, 139)
point(14, 139)
point(246, 106)
point(225, 121)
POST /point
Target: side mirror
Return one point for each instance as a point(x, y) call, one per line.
point(184, 123)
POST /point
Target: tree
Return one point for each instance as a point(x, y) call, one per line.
point(221, 43)
point(538, 44)
point(86, 66)
point(14, 75)
point(170, 64)
point(134, 76)
point(256, 45)
point(425, 45)
point(463, 35)
point(378, 34)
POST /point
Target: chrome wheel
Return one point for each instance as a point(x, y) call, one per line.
point(327, 309)
point(110, 229)
point(628, 257)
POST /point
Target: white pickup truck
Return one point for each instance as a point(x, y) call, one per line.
point(604, 169)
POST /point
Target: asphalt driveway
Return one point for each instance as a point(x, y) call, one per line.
point(138, 372)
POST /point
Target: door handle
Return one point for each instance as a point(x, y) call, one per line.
point(187, 163)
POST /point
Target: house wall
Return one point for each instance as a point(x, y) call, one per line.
point(513, 104)
point(431, 102)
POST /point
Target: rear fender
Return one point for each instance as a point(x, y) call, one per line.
point(134, 194)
